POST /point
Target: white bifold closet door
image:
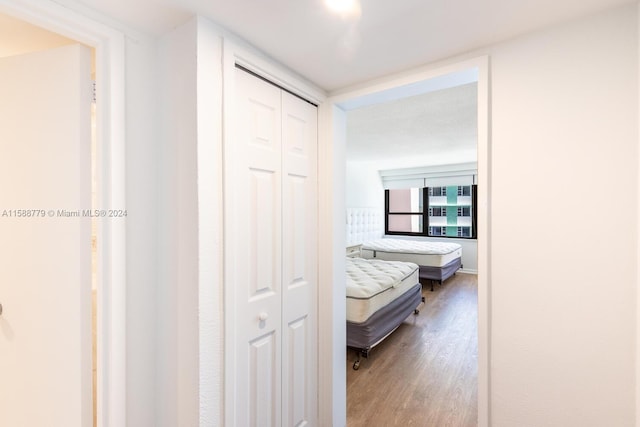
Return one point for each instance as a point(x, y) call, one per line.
point(271, 255)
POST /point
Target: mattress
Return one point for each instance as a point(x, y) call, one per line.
point(372, 284)
point(440, 274)
point(367, 334)
point(425, 253)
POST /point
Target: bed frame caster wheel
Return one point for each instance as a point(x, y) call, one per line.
point(416, 311)
point(356, 365)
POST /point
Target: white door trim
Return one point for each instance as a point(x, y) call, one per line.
point(637, 346)
point(110, 75)
point(332, 243)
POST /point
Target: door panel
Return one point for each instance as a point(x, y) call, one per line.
point(256, 223)
point(45, 276)
point(300, 206)
point(263, 364)
point(263, 244)
point(296, 374)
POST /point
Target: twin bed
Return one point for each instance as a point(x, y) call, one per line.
point(437, 260)
point(380, 296)
point(383, 287)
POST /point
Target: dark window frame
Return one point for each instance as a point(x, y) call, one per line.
point(424, 214)
point(426, 227)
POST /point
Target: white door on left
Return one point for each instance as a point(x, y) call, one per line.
point(45, 254)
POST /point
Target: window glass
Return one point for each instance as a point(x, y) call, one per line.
point(405, 200)
point(405, 223)
point(444, 211)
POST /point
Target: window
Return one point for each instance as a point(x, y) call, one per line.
point(464, 210)
point(405, 211)
point(438, 211)
point(464, 231)
point(464, 190)
point(437, 191)
point(437, 231)
point(445, 211)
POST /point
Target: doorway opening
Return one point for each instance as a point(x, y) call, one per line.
point(23, 38)
point(63, 24)
point(336, 112)
point(403, 155)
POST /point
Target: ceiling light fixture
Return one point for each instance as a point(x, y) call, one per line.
point(343, 7)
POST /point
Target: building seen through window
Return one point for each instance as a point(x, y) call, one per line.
point(445, 211)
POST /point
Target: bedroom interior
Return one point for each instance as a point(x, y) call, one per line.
point(427, 139)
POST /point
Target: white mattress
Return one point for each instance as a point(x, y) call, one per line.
point(425, 253)
point(372, 284)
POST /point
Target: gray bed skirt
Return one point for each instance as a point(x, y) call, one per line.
point(440, 273)
point(365, 335)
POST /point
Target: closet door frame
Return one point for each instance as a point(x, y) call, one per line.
point(235, 54)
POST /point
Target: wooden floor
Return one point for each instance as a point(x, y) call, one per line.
point(425, 373)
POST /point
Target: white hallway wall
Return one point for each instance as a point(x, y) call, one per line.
point(190, 376)
point(564, 129)
point(142, 228)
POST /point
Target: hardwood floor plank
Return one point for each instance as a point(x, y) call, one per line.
point(425, 373)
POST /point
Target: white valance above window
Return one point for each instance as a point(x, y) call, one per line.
point(432, 176)
point(397, 184)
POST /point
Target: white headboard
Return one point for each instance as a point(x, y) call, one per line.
point(364, 224)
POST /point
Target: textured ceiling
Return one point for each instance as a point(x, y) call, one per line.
point(434, 128)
